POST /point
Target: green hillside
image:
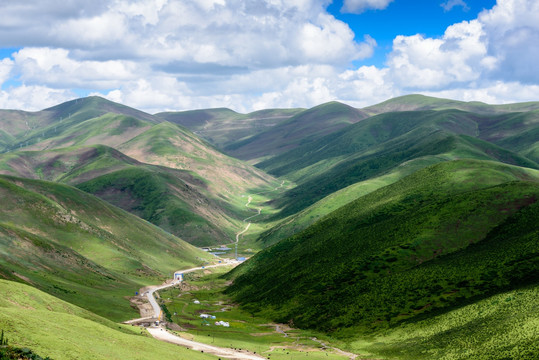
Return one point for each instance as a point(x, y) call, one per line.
point(199, 187)
point(502, 326)
point(304, 127)
point(299, 221)
point(445, 236)
point(51, 327)
point(376, 146)
point(174, 200)
point(70, 165)
point(418, 102)
point(222, 127)
point(172, 146)
point(81, 249)
point(29, 128)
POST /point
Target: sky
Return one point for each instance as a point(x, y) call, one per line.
point(163, 55)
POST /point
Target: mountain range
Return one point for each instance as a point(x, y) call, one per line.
point(395, 216)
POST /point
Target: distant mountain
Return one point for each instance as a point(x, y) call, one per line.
point(302, 128)
point(173, 199)
point(222, 127)
point(81, 249)
point(442, 237)
point(99, 138)
point(421, 102)
point(378, 145)
point(27, 128)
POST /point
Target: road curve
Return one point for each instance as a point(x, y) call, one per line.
point(162, 334)
point(151, 297)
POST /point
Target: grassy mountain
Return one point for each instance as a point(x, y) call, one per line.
point(378, 145)
point(299, 221)
point(70, 165)
point(417, 102)
point(169, 145)
point(304, 127)
point(81, 249)
point(51, 327)
point(222, 127)
point(436, 240)
point(199, 188)
point(502, 326)
point(174, 200)
point(27, 128)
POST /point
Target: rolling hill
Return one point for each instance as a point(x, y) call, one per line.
point(378, 145)
point(416, 102)
point(222, 127)
point(57, 329)
point(81, 249)
point(443, 237)
point(199, 188)
point(304, 127)
point(24, 129)
point(175, 200)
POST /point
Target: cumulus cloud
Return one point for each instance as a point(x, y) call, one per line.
point(6, 66)
point(33, 97)
point(428, 63)
point(450, 4)
point(512, 35)
point(171, 55)
point(55, 68)
point(359, 6)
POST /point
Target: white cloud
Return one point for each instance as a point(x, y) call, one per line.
point(359, 6)
point(497, 92)
point(450, 4)
point(55, 68)
point(426, 63)
point(512, 35)
point(33, 97)
point(171, 55)
point(5, 69)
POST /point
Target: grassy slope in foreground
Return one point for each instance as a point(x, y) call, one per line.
point(503, 326)
point(81, 249)
point(433, 241)
point(52, 327)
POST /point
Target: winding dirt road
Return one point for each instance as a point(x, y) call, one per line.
point(160, 333)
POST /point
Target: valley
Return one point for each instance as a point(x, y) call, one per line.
point(403, 230)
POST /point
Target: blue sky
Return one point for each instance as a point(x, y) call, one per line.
point(161, 55)
point(406, 17)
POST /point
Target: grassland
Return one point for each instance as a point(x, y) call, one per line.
point(304, 127)
point(282, 229)
point(59, 330)
point(193, 191)
point(81, 249)
point(447, 235)
point(418, 102)
point(222, 127)
point(503, 326)
point(170, 199)
point(246, 331)
point(377, 146)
